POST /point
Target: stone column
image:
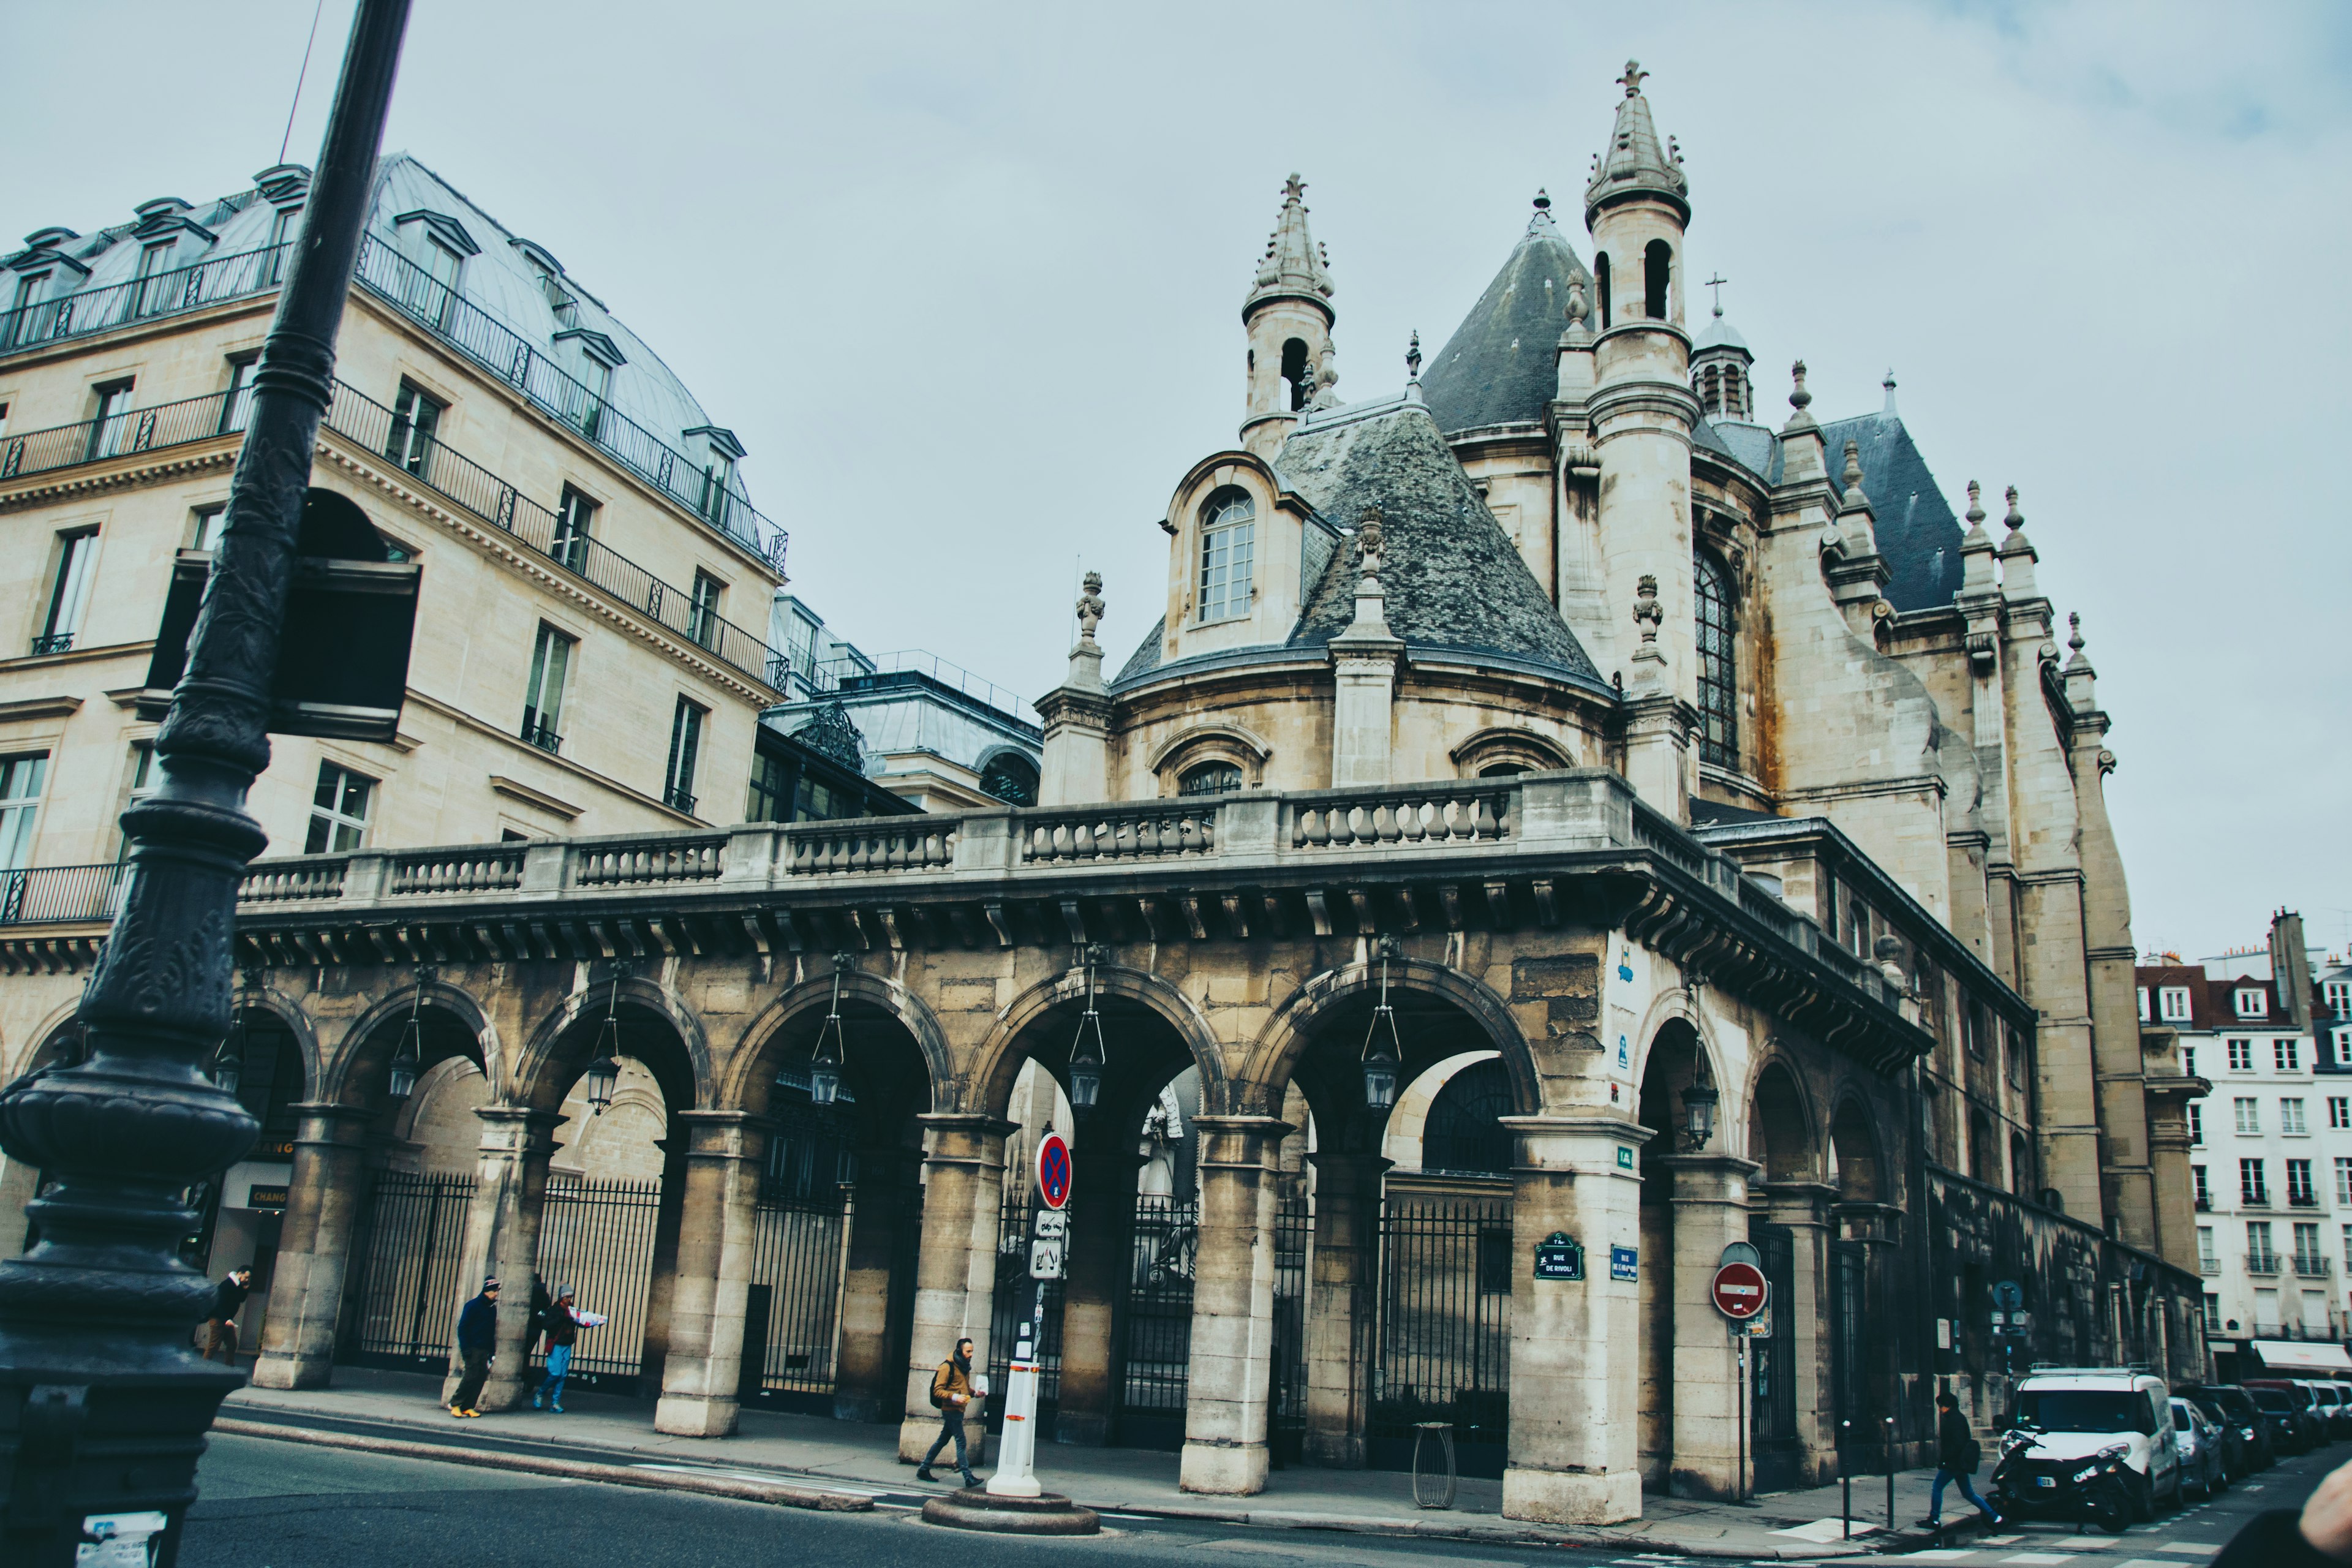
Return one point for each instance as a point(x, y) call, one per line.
point(1100, 1251)
point(1710, 1199)
point(868, 1384)
point(710, 1281)
point(955, 1276)
point(1225, 1408)
point(503, 1239)
point(323, 1200)
point(1339, 1305)
point(1805, 1208)
point(661, 1289)
point(1574, 1419)
point(1364, 660)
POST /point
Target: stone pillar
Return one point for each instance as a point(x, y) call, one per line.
point(1075, 766)
point(503, 1239)
point(1710, 1199)
point(1339, 1305)
point(323, 1201)
point(1573, 1342)
point(867, 1381)
point(710, 1279)
point(1100, 1249)
point(1226, 1411)
point(955, 1276)
point(1805, 1208)
point(661, 1289)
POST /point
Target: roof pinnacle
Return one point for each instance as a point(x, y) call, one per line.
point(2016, 519)
point(1633, 78)
point(1293, 262)
point(1635, 161)
point(1413, 358)
point(1976, 512)
point(1889, 384)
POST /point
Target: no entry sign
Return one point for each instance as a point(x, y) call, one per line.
point(1053, 1171)
point(1738, 1292)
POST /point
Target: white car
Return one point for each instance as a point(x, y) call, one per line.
point(2200, 1444)
point(2084, 1413)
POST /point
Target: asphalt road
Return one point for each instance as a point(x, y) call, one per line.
point(270, 1504)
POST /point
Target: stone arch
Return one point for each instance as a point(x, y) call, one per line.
point(1670, 1008)
point(1274, 1057)
point(543, 1071)
point(1857, 1151)
point(1780, 1135)
point(758, 1037)
point(1216, 740)
point(988, 1087)
point(428, 1082)
point(48, 1036)
point(1509, 746)
point(261, 998)
point(369, 1043)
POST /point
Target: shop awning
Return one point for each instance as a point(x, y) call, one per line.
point(2303, 1355)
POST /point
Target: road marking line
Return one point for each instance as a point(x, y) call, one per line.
point(2042, 1558)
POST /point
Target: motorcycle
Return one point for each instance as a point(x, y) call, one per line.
point(2097, 1487)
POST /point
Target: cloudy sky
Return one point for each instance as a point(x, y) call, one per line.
point(966, 280)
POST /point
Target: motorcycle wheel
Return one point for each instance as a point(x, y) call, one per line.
point(2111, 1511)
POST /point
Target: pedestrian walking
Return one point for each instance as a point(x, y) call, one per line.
point(477, 1337)
point(564, 1322)
point(1957, 1458)
point(951, 1395)
point(228, 1299)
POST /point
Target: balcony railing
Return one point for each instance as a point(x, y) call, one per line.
point(2204, 1203)
point(2311, 1268)
point(2262, 1263)
point(2209, 1267)
point(543, 737)
point(183, 289)
point(41, 894)
point(121, 434)
point(912, 667)
point(459, 479)
point(2255, 1200)
point(448, 315)
point(508, 355)
point(55, 642)
point(2303, 1200)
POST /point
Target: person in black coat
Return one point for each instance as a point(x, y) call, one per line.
point(477, 1337)
point(1957, 1458)
point(228, 1299)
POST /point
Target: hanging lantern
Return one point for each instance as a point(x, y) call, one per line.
point(1088, 1052)
point(228, 1064)
point(1383, 1050)
point(1699, 1113)
point(824, 1065)
point(604, 1072)
point(411, 1054)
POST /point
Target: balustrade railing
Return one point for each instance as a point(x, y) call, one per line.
point(295, 881)
point(37, 895)
point(1117, 832)
point(172, 293)
point(133, 431)
point(648, 862)
point(1432, 814)
point(484, 869)
point(869, 844)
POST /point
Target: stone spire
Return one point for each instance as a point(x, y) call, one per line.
point(1888, 384)
point(1635, 161)
point(2016, 556)
point(1371, 600)
point(1085, 659)
point(2082, 680)
point(1976, 547)
point(1413, 370)
point(1293, 263)
point(1856, 521)
point(1800, 400)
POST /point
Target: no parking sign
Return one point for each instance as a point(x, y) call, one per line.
point(1054, 1170)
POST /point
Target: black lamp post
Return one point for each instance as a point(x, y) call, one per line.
point(104, 1402)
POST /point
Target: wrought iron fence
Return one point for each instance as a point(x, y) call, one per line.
point(119, 435)
point(38, 894)
point(701, 487)
point(183, 289)
point(1155, 1370)
point(459, 479)
point(1443, 1340)
point(597, 1236)
point(1294, 1228)
point(1012, 1221)
point(797, 1258)
point(405, 1311)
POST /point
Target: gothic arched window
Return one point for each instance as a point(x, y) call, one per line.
point(1228, 544)
point(1718, 688)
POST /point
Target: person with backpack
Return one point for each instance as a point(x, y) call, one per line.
point(1957, 1458)
point(477, 1337)
point(950, 1394)
point(563, 1323)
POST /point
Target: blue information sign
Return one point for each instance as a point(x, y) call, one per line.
point(1624, 1263)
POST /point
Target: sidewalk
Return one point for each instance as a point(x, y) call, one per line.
point(783, 1449)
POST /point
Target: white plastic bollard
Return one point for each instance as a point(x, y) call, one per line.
point(1016, 1456)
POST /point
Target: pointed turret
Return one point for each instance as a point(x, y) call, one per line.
point(1720, 365)
point(1635, 164)
point(1287, 315)
point(1500, 366)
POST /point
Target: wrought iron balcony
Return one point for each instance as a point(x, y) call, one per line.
point(2255, 1200)
point(55, 642)
point(43, 894)
point(210, 282)
point(2303, 1200)
point(2311, 1268)
point(2262, 1263)
point(540, 735)
point(134, 431)
point(677, 799)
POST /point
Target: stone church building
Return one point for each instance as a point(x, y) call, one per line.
point(1554, 808)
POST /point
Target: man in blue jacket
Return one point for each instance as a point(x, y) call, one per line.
point(477, 1336)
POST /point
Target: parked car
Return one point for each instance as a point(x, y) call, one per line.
point(2093, 1443)
point(2327, 1403)
point(2294, 1425)
point(2247, 1430)
point(2343, 1403)
point(2200, 1442)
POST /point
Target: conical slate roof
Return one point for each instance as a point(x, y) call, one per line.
point(1293, 263)
point(1919, 537)
point(1635, 163)
point(1502, 365)
point(1452, 577)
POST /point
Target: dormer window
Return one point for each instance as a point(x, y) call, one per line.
point(2172, 1004)
point(154, 295)
point(2252, 1002)
point(19, 327)
point(1228, 547)
point(282, 229)
point(599, 357)
point(440, 252)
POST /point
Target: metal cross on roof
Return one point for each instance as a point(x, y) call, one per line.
point(1717, 283)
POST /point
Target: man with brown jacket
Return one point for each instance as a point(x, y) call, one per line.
point(951, 1395)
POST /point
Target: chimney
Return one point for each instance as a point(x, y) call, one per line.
point(2291, 967)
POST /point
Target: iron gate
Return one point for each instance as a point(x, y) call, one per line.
point(1004, 1317)
point(1294, 1226)
point(597, 1236)
point(1444, 1338)
point(405, 1311)
point(792, 1322)
point(1157, 1340)
point(1848, 1388)
point(1772, 1366)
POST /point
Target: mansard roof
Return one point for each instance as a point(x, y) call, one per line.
point(1501, 366)
point(1918, 534)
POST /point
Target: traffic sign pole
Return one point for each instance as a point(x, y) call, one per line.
point(1016, 1456)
